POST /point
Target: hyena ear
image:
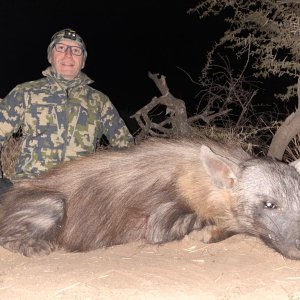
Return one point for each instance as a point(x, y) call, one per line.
point(296, 165)
point(222, 171)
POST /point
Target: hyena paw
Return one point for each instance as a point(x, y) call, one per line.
point(30, 247)
point(210, 234)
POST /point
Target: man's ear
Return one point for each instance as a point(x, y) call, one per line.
point(222, 171)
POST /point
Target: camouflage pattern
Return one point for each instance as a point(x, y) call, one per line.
point(60, 121)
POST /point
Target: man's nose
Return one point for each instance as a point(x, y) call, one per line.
point(68, 52)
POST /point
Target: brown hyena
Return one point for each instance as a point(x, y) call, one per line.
point(158, 191)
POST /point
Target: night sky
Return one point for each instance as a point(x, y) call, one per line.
point(125, 40)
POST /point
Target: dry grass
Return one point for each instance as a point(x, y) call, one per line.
point(254, 140)
point(292, 152)
point(9, 155)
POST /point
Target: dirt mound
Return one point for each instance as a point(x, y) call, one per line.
point(238, 268)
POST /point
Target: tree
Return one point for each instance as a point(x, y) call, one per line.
point(271, 30)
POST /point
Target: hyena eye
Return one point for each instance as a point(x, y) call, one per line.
point(269, 205)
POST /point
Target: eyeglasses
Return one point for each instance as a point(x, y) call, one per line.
point(60, 47)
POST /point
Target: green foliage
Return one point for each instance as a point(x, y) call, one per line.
point(269, 28)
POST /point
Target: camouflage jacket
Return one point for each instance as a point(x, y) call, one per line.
point(59, 122)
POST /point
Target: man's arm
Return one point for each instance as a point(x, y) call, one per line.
point(114, 127)
point(11, 110)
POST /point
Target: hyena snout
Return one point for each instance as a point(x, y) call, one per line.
point(287, 245)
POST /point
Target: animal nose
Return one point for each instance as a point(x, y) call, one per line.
point(297, 242)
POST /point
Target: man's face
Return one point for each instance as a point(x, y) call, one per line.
point(66, 64)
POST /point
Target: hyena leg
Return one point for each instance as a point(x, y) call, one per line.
point(170, 221)
point(211, 234)
point(29, 222)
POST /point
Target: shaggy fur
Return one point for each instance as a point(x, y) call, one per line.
point(158, 191)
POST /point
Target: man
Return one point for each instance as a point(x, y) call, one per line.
point(60, 115)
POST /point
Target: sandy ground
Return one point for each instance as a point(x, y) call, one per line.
point(238, 268)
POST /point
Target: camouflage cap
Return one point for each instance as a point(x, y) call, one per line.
point(66, 34)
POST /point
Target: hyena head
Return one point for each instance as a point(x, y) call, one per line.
point(268, 204)
point(265, 199)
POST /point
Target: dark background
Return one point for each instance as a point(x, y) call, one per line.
point(125, 40)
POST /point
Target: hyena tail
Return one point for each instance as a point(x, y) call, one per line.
point(30, 221)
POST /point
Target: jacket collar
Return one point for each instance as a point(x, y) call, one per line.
point(81, 79)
